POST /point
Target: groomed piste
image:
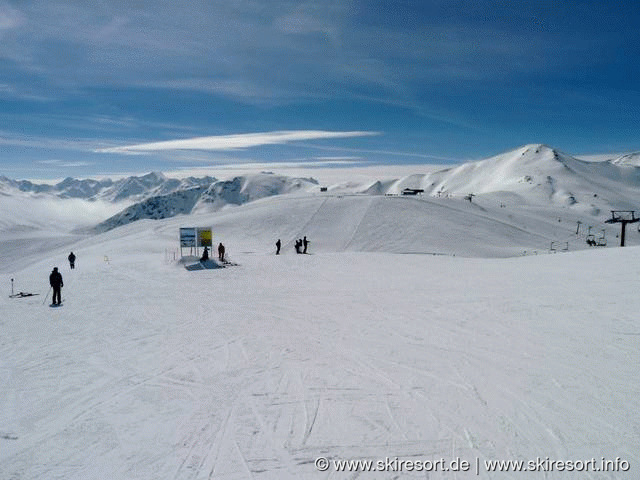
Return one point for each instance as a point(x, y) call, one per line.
point(422, 328)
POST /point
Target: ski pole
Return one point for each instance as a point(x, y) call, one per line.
point(45, 297)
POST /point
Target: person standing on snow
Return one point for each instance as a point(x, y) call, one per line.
point(72, 260)
point(221, 252)
point(305, 244)
point(205, 255)
point(55, 280)
point(278, 245)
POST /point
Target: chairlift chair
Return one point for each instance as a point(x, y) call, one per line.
point(591, 240)
point(602, 241)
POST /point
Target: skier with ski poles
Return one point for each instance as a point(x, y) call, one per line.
point(55, 280)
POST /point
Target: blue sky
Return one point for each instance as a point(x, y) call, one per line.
point(386, 81)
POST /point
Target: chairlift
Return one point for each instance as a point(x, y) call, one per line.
point(591, 240)
point(602, 241)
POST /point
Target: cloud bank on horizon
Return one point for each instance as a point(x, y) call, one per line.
point(441, 79)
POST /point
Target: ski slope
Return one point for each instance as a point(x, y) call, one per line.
point(368, 348)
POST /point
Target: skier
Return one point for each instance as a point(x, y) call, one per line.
point(55, 280)
point(221, 252)
point(205, 255)
point(278, 245)
point(305, 242)
point(298, 245)
point(72, 260)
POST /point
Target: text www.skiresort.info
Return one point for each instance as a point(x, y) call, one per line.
point(539, 464)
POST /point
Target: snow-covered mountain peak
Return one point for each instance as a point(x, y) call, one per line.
point(532, 164)
point(629, 159)
point(539, 157)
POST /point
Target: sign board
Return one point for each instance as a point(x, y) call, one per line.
point(204, 237)
point(188, 237)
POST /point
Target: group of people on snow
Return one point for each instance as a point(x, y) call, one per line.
point(300, 245)
point(56, 282)
point(205, 254)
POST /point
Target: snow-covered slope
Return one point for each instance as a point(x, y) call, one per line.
point(164, 206)
point(258, 371)
point(385, 342)
point(336, 223)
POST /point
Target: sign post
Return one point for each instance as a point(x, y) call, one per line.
point(194, 237)
point(187, 239)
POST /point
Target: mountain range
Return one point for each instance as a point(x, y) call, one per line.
point(531, 175)
point(133, 188)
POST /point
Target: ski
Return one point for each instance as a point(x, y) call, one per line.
point(23, 294)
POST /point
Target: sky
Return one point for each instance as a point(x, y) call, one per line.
point(111, 87)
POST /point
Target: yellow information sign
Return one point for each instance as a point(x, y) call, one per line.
point(204, 237)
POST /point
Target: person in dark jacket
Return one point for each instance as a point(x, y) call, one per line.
point(205, 255)
point(305, 244)
point(278, 245)
point(221, 252)
point(55, 280)
point(72, 260)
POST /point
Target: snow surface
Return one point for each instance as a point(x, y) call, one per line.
point(401, 335)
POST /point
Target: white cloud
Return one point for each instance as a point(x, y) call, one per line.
point(277, 165)
point(237, 141)
point(64, 163)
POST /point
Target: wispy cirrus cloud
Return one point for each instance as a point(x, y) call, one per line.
point(265, 51)
point(237, 141)
point(64, 163)
point(395, 153)
point(10, 18)
point(34, 141)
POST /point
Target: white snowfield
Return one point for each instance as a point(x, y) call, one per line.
point(403, 339)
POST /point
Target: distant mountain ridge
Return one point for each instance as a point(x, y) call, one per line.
point(133, 188)
point(217, 195)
